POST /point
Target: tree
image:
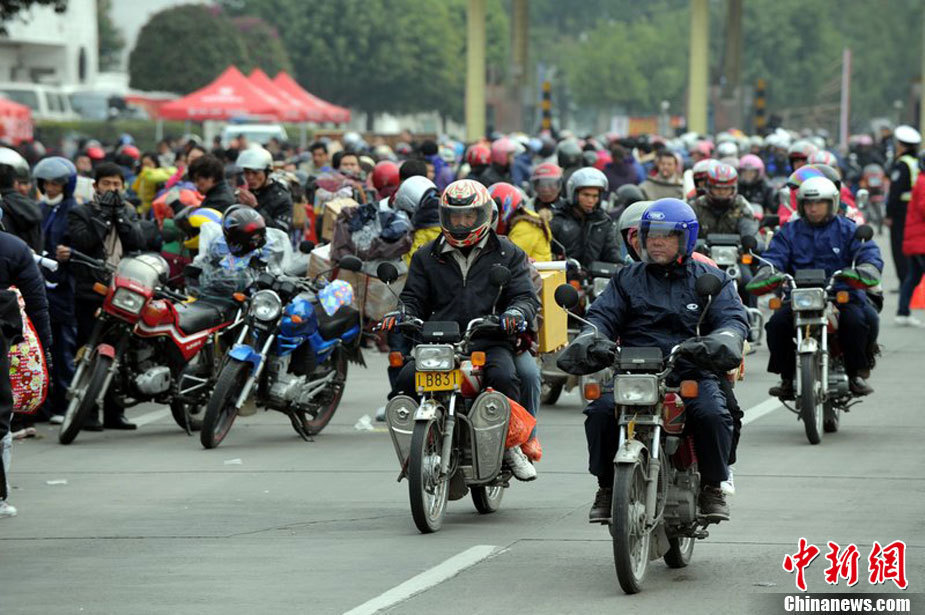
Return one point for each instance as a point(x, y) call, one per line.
point(181, 49)
point(12, 8)
point(264, 45)
point(111, 41)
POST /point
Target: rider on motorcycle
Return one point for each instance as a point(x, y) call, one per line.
point(580, 225)
point(753, 185)
point(821, 239)
point(547, 188)
point(448, 280)
point(722, 209)
point(640, 307)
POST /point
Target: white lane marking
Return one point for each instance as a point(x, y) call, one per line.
point(756, 412)
point(150, 417)
point(424, 581)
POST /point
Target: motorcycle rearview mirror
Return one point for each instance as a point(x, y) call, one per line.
point(387, 272)
point(864, 233)
point(499, 275)
point(749, 243)
point(350, 263)
point(306, 247)
point(707, 285)
point(566, 296)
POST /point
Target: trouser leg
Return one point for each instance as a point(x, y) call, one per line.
point(710, 422)
point(603, 437)
point(530, 383)
point(780, 343)
point(853, 335)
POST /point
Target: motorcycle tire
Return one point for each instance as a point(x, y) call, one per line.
point(178, 411)
point(331, 396)
point(630, 539)
point(428, 493)
point(487, 498)
point(832, 416)
point(80, 408)
point(550, 392)
point(680, 551)
point(810, 402)
point(220, 411)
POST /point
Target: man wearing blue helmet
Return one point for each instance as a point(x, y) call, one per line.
point(653, 303)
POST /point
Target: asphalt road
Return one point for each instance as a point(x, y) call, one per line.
point(149, 522)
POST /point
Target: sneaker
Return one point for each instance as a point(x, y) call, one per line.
point(859, 387)
point(783, 390)
point(532, 449)
point(380, 414)
point(519, 464)
point(6, 509)
point(713, 504)
point(908, 321)
point(727, 485)
point(56, 419)
point(600, 510)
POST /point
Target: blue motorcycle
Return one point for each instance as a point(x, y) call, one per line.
point(299, 335)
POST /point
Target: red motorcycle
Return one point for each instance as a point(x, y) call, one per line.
point(148, 345)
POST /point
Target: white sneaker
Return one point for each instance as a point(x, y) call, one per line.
point(56, 419)
point(380, 414)
point(6, 509)
point(520, 465)
point(727, 485)
point(908, 321)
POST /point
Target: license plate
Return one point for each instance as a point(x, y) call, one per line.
point(436, 381)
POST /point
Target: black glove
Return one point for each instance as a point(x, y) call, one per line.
point(390, 320)
point(588, 353)
point(717, 352)
point(512, 321)
point(111, 204)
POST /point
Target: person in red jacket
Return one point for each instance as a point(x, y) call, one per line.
point(914, 249)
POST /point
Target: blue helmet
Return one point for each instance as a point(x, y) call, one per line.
point(667, 217)
point(57, 169)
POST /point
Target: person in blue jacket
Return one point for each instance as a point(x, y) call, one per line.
point(821, 239)
point(654, 303)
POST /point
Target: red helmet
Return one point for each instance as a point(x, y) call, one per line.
point(465, 212)
point(603, 159)
point(509, 199)
point(95, 152)
point(501, 150)
point(131, 151)
point(478, 156)
point(385, 175)
point(546, 174)
point(722, 176)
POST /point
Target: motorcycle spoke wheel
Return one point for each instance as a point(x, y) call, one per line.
point(630, 536)
point(487, 498)
point(811, 399)
point(321, 414)
point(220, 411)
point(428, 491)
point(680, 551)
point(550, 392)
point(83, 405)
point(832, 415)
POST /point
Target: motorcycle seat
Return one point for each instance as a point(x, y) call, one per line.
point(332, 327)
point(198, 315)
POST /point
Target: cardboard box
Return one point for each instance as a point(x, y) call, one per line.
point(553, 319)
point(332, 209)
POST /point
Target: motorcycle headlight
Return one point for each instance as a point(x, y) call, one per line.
point(266, 305)
point(724, 255)
point(434, 358)
point(128, 301)
point(636, 390)
point(808, 299)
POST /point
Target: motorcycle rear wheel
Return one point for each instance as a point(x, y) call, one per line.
point(811, 399)
point(80, 407)
point(832, 414)
point(178, 410)
point(331, 396)
point(550, 392)
point(487, 498)
point(680, 551)
point(630, 538)
point(220, 411)
point(427, 491)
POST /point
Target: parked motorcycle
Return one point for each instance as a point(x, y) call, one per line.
point(820, 382)
point(656, 482)
point(726, 251)
point(147, 345)
point(291, 354)
point(453, 440)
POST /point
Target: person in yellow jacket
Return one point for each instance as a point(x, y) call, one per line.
point(418, 197)
point(525, 228)
point(149, 178)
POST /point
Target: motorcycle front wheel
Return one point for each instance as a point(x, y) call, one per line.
point(84, 401)
point(487, 498)
point(220, 411)
point(811, 399)
point(628, 529)
point(428, 491)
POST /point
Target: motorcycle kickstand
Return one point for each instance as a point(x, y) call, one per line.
point(299, 429)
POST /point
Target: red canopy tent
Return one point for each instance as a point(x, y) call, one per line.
point(333, 112)
point(15, 122)
point(296, 109)
point(230, 96)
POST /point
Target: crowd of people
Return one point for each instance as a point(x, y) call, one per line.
point(606, 198)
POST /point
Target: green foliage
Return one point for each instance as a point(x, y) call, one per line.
point(10, 9)
point(111, 41)
point(264, 45)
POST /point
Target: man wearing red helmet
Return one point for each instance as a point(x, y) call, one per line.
point(478, 158)
point(386, 178)
point(722, 209)
point(546, 181)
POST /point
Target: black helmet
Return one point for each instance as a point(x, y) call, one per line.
point(568, 153)
point(626, 195)
point(244, 229)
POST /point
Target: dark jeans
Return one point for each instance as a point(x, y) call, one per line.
point(916, 269)
point(397, 343)
point(63, 334)
point(499, 373)
point(707, 417)
point(858, 325)
point(86, 319)
point(897, 230)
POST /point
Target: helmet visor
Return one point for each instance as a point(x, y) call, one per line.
point(662, 242)
point(547, 188)
point(461, 220)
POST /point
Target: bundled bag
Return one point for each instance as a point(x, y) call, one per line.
point(520, 426)
point(28, 370)
point(369, 234)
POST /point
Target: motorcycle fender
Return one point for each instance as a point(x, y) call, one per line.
point(631, 452)
point(808, 345)
point(107, 350)
point(426, 411)
point(245, 354)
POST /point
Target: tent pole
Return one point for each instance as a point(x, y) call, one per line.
point(303, 136)
point(159, 130)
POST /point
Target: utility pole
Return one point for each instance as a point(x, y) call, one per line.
point(699, 71)
point(475, 70)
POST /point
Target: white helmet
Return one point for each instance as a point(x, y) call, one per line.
point(818, 189)
point(12, 158)
point(585, 177)
point(727, 149)
point(410, 193)
point(907, 134)
point(255, 159)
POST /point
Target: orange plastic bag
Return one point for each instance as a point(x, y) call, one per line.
point(520, 426)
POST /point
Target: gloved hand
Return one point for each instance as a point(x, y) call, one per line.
point(765, 281)
point(863, 276)
point(719, 351)
point(587, 354)
point(512, 321)
point(390, 320)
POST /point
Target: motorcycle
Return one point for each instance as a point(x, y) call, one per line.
point(290, 353)
point(876, 185)
point(453, 440)
point(726, 251)
point(147, 345)
point(821, 385)
point(656, 482)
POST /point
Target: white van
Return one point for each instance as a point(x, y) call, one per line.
point(47, 102)
point(254, 133)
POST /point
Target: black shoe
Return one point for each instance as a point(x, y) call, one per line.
point(713, 504)
point(600, 510)
point(783, 390)
point(92, 424)
point(859, 387)
point(119, 422)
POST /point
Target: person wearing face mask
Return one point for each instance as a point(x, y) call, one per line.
point(580, 226)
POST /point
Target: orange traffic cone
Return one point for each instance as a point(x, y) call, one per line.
point(918, 297)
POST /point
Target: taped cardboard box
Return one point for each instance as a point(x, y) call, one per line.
point(332, 209)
